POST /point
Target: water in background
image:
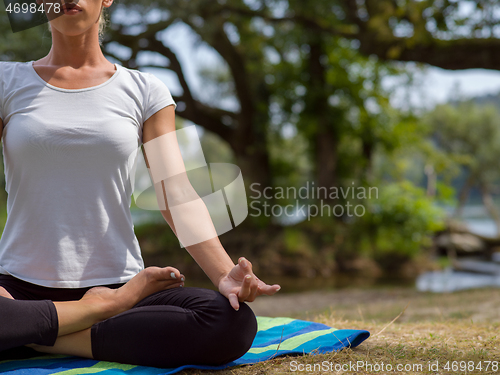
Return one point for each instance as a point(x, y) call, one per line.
point(477, 220)
point(451, 281)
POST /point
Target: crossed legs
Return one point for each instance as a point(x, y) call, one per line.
point(59, 319)
point(170, 327)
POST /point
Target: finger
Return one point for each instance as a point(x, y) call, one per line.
point(253, 295)
point(175, 285)
point(269, 289)
point(244, 292)
point(233, 300)
point(174, 273)
point(245, 264)
point(254, 290)
point(180, 277)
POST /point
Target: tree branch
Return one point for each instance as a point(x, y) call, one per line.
point(446, 54)
point(296, 18)
point(464, 53)
point(209, 118)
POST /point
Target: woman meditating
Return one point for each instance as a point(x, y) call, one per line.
point(72, 278)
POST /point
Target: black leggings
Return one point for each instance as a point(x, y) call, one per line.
point(169, 328)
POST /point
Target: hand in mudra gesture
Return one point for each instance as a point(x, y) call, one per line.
point(241, 284)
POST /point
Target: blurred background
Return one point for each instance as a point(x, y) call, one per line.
point(391, 106)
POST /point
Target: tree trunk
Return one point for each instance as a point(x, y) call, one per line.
point(464, 194)
point(431, 180)
point(255, 166)
point(326, 139)
point(490, 205)
point(249, 141)
point(326, 160)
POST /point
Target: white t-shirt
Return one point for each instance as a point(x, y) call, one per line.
point(68, 156)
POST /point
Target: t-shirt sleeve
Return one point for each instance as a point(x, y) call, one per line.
point(157, 97)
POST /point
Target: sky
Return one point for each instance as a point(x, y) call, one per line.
point(439, 85)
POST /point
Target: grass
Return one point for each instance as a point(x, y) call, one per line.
point(461, 329)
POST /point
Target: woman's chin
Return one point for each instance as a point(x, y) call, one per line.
point(71, 29)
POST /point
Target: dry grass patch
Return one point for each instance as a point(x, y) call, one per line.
point(435, 328)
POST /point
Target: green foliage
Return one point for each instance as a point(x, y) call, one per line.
point(296, 242)
point(402, 220)
point(470, 134)
point(26, 45)
point(291, 165)
point(157, 237)
point(215, 149)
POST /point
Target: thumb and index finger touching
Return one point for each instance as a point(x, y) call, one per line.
point(246, 288)
point(263, 288)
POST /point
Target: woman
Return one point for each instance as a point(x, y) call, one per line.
point(71, 274)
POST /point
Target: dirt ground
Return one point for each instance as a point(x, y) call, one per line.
point(384, 304)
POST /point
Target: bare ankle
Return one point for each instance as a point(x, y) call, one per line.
point(102, 303)
point(4, 293)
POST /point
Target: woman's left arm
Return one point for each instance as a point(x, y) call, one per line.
point(237, 282)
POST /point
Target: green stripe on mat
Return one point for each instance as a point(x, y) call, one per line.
point(98, 367)
point(293, 342)
point(264, 323)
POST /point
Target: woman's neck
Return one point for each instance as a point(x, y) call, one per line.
point(75, 51)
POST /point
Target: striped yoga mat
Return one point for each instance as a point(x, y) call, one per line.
point(275, 337)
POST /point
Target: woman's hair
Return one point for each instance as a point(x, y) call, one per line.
point(103, 20)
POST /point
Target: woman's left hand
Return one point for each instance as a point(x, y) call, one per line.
point(240, 284)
